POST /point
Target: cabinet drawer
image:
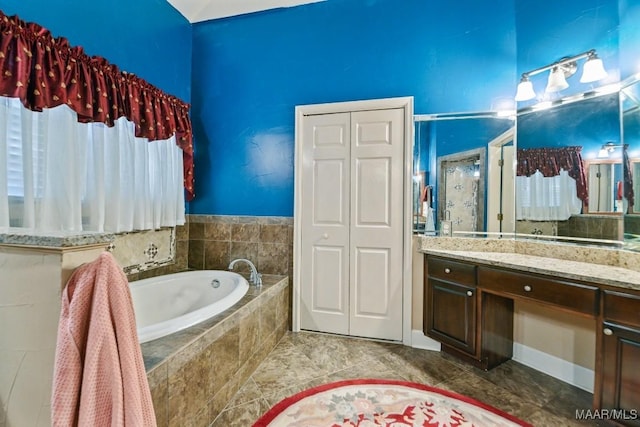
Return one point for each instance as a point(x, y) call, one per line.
point(569, 295)
point(621, 307)
point(451, 271)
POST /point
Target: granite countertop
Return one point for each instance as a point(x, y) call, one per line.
point(52, 239)
point(575, 270)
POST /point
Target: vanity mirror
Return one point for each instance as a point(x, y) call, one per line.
point(585, 128)
point(569, 169)
point(451, 157)
point(630, 105)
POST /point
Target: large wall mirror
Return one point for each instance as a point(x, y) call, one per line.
point(458, 173)
point(630, 106)
point(569, 175)
point(574, 163)
point(574, 176)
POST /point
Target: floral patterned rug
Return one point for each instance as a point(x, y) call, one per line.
point(371, 402)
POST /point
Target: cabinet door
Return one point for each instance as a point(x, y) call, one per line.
point(450, 315)
point(621, 372)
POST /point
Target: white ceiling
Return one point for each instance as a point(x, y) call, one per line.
point(203, 10)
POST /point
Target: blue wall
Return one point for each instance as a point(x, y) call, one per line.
point(588, 123)
point(249, 73)
point(146, 37)
point(629, 37)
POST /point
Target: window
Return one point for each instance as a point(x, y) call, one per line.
point(59, 174)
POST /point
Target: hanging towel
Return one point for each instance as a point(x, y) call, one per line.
point(99, 376)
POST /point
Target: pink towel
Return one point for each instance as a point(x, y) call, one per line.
point(99, 376)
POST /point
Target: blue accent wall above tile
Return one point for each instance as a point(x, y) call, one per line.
point(249, 73)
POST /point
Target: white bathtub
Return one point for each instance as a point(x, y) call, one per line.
point(167, 304)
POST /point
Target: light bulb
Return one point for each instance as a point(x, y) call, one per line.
point(593, 70)
point(525, 90)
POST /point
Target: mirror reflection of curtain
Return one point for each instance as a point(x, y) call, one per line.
point(550, 183)
point(543, 198)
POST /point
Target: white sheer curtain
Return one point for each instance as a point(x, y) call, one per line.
point(542, 198)
point(60, 175)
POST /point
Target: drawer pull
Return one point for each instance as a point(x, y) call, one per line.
point(608, 331)
point(447, 270)
point(469, 293)
point(527, 288)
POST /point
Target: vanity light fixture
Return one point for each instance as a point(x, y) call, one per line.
point(607, 149)
point(593, 70)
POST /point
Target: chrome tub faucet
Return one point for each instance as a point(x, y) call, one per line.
point(255, 278)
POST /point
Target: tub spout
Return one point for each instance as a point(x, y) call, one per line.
point(255, 278)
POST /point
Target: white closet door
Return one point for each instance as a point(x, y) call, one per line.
point(324, 278)
point(376, 231)
point(351, 275)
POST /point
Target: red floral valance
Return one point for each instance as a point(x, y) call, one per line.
point(549, 161)
point(46, 72)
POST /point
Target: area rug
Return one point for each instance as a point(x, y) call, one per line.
point(373, 402)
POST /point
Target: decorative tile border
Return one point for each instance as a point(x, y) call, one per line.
point(143, 250)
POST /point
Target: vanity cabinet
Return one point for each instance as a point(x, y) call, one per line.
point(452, 292)
point(453, 309)
point(469, 309)
point(564, 294)
point(620, 338)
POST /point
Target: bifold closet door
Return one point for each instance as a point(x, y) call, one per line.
point(376, 238)
point(324, 277)
point(352, 223)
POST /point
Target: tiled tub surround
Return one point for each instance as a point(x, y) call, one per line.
point(592, 226)
point(589, 226)
point(195, 372)
point(215, 240)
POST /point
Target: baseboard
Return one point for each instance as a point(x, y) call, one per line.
point(420, 340)
point(568, 372)
point(554, 366)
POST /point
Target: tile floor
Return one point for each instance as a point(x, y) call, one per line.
point(303, 360)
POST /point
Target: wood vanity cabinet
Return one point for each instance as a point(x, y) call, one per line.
point(469, 309)
point(620, 350)
point(564, 294)
point(452, 292)
point(453, 309)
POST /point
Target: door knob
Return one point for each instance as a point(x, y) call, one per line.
point(527, 288)
point(607, 331)
point(325, 236)
point(447, 270)
point(469, 293)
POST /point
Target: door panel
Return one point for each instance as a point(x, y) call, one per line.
point(325, 260)
point(372, 191)
point(372, 283)
point(328, 188)
point(325, 224)
point(376, 238)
